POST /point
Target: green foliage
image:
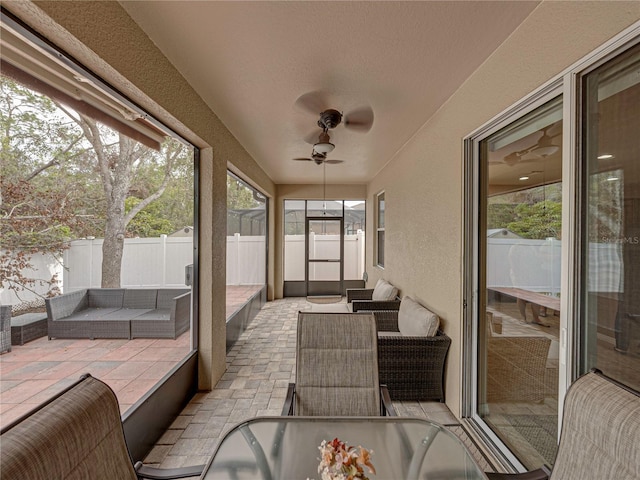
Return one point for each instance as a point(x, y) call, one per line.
point(534, 213)
point(538, 221)
point(499, 215)
point(149, 222)
point(239, 197)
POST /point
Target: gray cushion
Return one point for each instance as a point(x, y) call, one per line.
point(414, 320)
point(384, 291)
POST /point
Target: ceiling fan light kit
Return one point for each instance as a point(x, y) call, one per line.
point(323, 146)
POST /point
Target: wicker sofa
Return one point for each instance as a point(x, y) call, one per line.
point(412, 367)
point(119, 313)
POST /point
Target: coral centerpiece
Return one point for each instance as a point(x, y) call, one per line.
point(339, 461)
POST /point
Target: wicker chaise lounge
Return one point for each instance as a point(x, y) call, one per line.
point(111, 312)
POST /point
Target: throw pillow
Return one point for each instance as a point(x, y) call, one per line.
point(414, 320)
point(384, 291)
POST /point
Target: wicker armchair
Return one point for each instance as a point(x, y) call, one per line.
point(411, 367)
point(360, 299)
point(516, 367)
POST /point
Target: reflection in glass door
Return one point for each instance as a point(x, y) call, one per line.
point(610, 241)
point(325, 251)
point(519, 283)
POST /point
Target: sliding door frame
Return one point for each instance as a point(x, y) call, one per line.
point(566, 84)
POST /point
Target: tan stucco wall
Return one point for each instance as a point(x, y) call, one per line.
point(106, 40)
point(304, 192)
point(423, 183)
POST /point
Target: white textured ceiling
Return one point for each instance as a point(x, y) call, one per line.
point(250, 61)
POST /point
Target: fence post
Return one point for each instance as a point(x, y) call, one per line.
point(163, 246)
point(360, 253)
point(91, 262)
point(236, 238)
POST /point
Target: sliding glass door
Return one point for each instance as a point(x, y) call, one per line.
point(609, 337)
point(553, 244)
point(519, 238)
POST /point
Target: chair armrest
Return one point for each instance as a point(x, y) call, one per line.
point(181, 306)
point(358, 305)
point(152, 473)
point(540, 474)
point(64, 305)
point(385, 403)
point(359, 294)
point(287, 409)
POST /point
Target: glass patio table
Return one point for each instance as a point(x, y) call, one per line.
point(273, 448)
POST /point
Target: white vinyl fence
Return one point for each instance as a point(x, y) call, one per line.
point(160, 262)
point(535, 265)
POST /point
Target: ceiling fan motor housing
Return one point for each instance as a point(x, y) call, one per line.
point(329, 119)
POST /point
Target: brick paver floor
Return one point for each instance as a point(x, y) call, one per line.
point(259, 368)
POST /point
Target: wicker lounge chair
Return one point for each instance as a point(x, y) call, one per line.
point(412, 367)
point(367, 299)
point(76, 435)
point(336, 367)
point(600, 434)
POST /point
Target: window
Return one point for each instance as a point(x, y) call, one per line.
point(380, 211)
point(95, 194)
point(246, 243)
point(610, 203)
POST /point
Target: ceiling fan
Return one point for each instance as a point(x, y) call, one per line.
point(541, 150)
point(318, 159)
point(359, 120)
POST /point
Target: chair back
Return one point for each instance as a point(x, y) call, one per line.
point(600, 431)
point(77, 435)
point(337, 365)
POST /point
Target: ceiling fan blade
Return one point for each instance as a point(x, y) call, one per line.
point(312, 102)
point(303, 159)
point(332, 160)
point(359, 120)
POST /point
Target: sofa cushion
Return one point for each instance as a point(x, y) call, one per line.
point(414, 320)
point(106, 297)
point(140, 298)
point(384, 291)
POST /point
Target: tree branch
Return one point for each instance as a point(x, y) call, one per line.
point(54, 160)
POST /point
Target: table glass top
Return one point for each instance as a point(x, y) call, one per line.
point(288, 448)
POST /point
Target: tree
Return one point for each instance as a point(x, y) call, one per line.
point(538, 221)
point(116, 163)
point(65, 176)
point(37, 205)
point(239, 197)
